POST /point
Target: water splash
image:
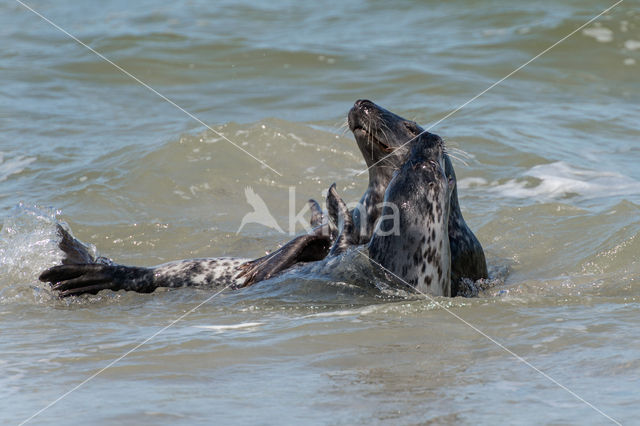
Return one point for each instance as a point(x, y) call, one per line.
point(28, 245)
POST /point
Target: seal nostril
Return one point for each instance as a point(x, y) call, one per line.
point(363, 104)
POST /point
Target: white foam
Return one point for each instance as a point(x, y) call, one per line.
point(632, 44)
point(560, 180)
point(13, 166)
point(221, 328)
point(601, 34)
point(471, 182)
point(342, 313)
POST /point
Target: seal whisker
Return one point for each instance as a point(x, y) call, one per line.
point(453, 145)
point(385, 126)
point(370, 136)
point(387, 140)
point(386, 137)
point(458, 159)
point(342, 128)
point(460, 152)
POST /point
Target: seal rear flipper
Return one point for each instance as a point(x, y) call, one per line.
point(305, 248)
point(75, 252)
point(73, 280)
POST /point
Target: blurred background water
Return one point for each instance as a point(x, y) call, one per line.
point(551, 186)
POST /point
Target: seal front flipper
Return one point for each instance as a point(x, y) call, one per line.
point(316, 214)
point(467, 256)
point(73, 280)
point(305, 248)
point(342, 220)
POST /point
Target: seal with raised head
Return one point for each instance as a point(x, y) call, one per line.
point(413, 250)
point(385, 140)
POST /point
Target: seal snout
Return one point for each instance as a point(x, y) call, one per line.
point(363, 104)
point(359, 114)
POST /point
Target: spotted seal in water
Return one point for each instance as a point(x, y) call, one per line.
point(417, 252)
point(384, 139)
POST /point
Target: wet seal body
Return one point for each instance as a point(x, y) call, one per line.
point(417, 255)
point(385, 140)
point(388, 143)
point(81, 273)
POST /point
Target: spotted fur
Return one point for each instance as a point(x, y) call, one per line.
point(100, 274)
point(415, 246)
point(383, 135)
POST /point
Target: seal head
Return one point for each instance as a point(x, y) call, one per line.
point(382, 139)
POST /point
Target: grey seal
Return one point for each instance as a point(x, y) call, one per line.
point(385, 140)
point(417, 255)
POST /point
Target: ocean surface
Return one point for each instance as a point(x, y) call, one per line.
point(548, 176)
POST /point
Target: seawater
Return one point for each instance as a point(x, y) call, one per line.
point(548, 180)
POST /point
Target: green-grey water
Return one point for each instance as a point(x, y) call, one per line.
point(550, 183)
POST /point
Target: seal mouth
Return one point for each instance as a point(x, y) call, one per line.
point(385, 147)
point(361, 132)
